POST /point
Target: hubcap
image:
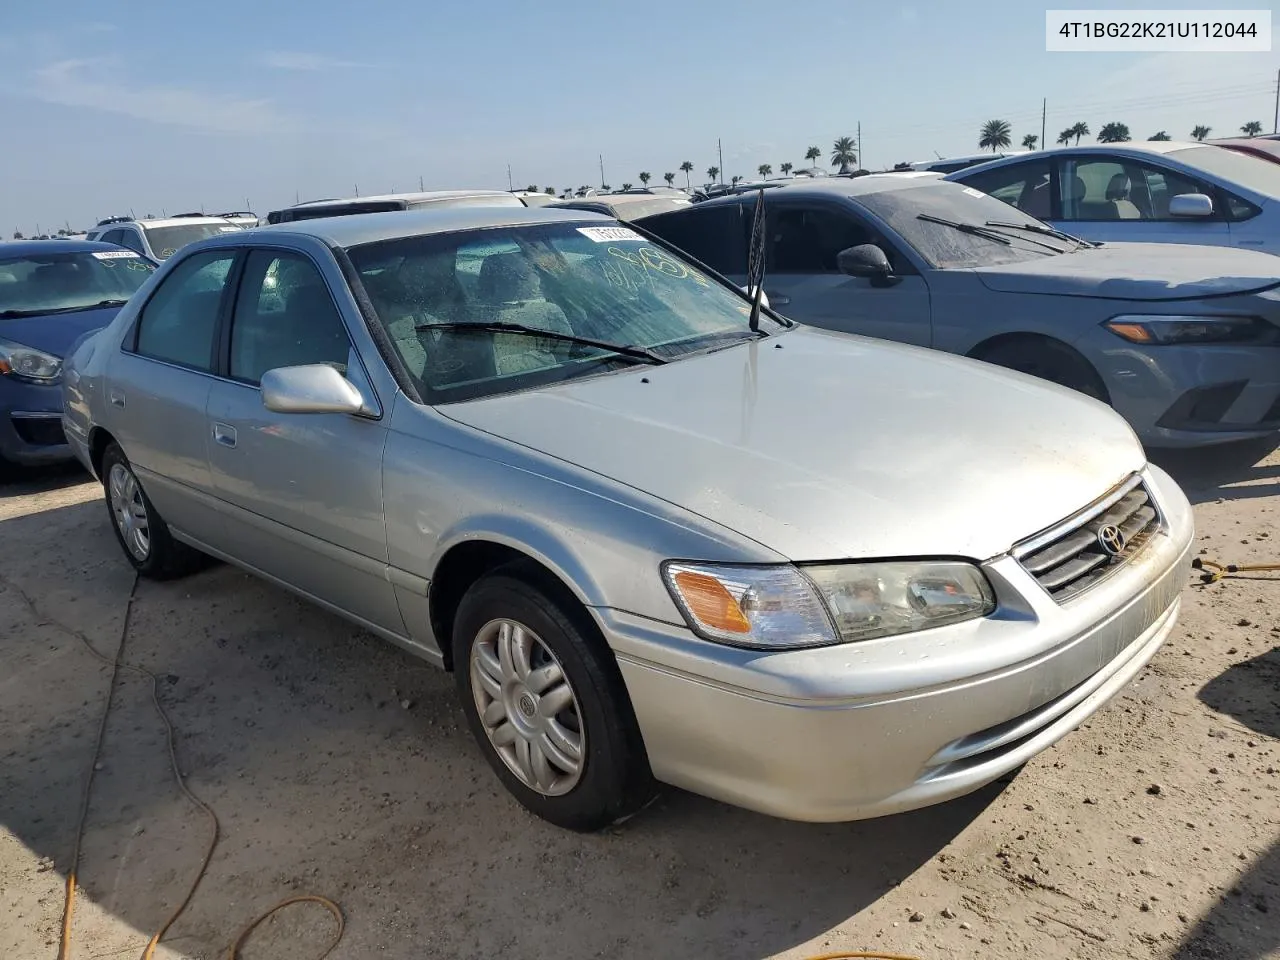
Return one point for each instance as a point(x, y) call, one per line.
point(529, 711)
point(129, 510)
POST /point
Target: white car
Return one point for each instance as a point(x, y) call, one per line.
point(1149, 192)
point(159, 239)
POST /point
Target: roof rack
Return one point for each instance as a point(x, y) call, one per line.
point(103, 223)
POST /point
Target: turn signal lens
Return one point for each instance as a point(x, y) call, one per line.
point(710, 603)
point(1133, 332)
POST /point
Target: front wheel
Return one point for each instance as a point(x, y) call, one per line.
point(1048, 360)
point(547, 706)
point(141, 532)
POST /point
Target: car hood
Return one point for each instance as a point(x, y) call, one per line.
point(1139, 271)
point(822, 446)
point(56, 332)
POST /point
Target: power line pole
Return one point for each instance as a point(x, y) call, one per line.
point(509, 186)
point(1044, 113)
point(421, 188)
point(862, 157)
point(720, 151)
point(1275, 124)
point(601, 156)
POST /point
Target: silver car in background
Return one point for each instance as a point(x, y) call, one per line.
point(816, 575)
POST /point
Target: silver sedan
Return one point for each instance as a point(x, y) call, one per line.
point(812, 574)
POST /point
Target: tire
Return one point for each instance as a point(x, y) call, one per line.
point(532, 754)
point(1048, 360)
point(141, 532)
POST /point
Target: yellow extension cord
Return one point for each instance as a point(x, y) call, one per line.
point(233, 953)
point(1223, 571)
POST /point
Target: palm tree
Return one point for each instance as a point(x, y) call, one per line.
point(687, 168)
point(1029, 141)
point(626, 186)
point(1251, 129)
point(995, 134)
point(551, 191)
point(531, 189)
point(1114, 133)
point(645, 177)
point(734, 180)
point(712, 173)
point(1200, 131)
point(670, 178)
point(1065, 136)
point(812, 155)
point(764, 169)
point(1079, 130)
point(1160, 136)
point(786, 168)
point(842, 154)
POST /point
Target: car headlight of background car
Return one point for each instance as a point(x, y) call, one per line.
point(29, 364)
point(785, 607)
point(1158, 330)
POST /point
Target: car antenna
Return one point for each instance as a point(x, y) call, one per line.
point(755, 264)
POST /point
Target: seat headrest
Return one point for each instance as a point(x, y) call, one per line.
point(506, 278)
point(1077, 189)
point(1118, 188)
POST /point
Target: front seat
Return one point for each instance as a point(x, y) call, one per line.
point(510, 292)
point(1118, 193)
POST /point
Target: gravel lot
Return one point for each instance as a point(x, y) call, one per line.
point(338, 765)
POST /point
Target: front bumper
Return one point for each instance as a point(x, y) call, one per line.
point(879, 727)
point(1181, 396)
point(31, 423)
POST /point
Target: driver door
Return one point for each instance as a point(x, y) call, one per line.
point(802, 281)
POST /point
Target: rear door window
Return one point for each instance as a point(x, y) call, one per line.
point(714, 235)
point(1021, 185)
point(177, 324)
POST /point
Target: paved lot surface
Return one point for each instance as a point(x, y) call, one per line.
point(338, 765)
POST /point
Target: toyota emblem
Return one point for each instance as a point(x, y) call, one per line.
point(1111, 540)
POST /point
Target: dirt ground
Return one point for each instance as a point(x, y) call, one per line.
point(338, 765)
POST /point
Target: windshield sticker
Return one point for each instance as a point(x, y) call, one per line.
point(974, 193)
point(112, 254)
point(609, 234)
point(633, 269)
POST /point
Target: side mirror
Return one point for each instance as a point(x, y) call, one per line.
point(1191, 205)
point(314, 388)
point(864, 260)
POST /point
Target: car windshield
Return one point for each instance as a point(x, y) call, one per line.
point(1242, 169)
point(166, 241)
point(64, 282)
point(944, 246)
point(465, 310)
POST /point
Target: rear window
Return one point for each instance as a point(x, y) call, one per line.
point(166, 241)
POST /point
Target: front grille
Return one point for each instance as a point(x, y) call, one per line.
point(1070, 558)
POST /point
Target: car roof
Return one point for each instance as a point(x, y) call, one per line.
point(1271, 147)
point(1128, 147)
point(351, 231)
point(159, 222)
point(425, 196)
point(25, 248)
point(829, 186)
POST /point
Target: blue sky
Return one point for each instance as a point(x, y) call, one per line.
point(152, 106)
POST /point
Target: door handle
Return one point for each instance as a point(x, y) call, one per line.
point(116, 397)
point(224, 434)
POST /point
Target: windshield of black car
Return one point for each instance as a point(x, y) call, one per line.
point(601, 281)
point(166, 241)
point(62, 282)
point(945, 247)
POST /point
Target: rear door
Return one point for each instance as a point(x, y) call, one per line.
point(157, 386)
point(301, 493)
point(804, 238)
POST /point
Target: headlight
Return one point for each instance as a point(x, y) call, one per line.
point(785, 607)
point(28, 363)
point(1156, 330)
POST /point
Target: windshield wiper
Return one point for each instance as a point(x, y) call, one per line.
point(1046, 231)
point(639, 354)
point(50, 311)
point(971, 228)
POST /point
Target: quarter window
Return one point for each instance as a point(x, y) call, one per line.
point(284, 317)
point(178, 322)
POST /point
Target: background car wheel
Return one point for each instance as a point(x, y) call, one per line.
point(547, 705)
point(143, 535)
point(1048, 360)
